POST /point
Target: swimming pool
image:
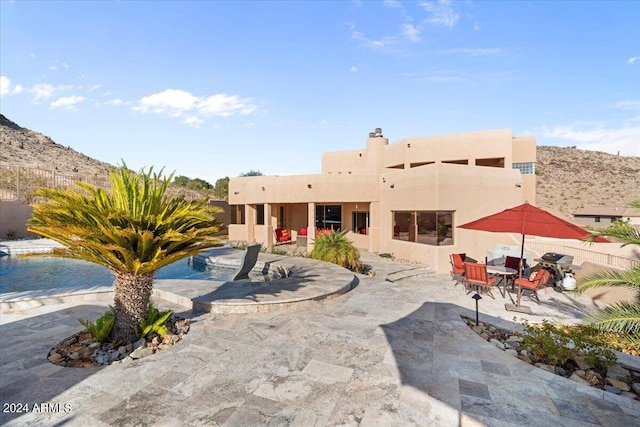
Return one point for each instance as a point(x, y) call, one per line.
point(19, 274)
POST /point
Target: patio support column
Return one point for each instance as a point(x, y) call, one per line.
point(268, 226)
point(311, 227)
point(250, 219)
point(374, 227)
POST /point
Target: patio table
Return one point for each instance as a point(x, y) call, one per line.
point(505, 273)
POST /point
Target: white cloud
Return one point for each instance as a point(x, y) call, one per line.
point(411, 32)
point(43, 91)
point(633, 59)
point(359, 36)
point(322, 122)
point(116, 101)
point(225, 105)
point(5, 86)
point(440, 13)
point(627, 105)
point(67, 102)
point(182, 104)
point(53, 67)
point(596, 137)
point(354, 69)
point(491, 51)
point(6, 89)
point(170, 99)
point(193, 121)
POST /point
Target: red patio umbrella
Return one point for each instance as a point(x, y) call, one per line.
point(527, 219)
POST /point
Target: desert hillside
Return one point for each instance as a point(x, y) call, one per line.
point(567, 178)
point(26, 148)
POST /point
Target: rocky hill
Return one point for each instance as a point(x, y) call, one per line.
point(567, 178)
point(25, 148)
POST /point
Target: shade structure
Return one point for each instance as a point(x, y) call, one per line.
point(527, 219)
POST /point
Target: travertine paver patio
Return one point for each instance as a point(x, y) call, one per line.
point(386, 353)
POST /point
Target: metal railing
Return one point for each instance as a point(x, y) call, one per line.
point(582, 254)
point(19, 183)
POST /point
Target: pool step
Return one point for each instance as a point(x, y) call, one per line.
point(406, 273)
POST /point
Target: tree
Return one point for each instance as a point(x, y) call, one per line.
point(252, 173)
point(221, 188)
point(333, 246)
point(133, 230)
point(622, 317)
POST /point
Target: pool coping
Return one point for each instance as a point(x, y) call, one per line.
point(308, 282)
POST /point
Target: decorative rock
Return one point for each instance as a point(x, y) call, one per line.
point(618, 384)
point(74, 355)
point(484, 336)
point(511, 352)
point(139, 343)
point(582, 364)
point(619, 373)
point(102, 358)
point(612, 389)
point(497, 343)
point(122, 349)
point(636, 387)
point(578, 379)
point(478, 329)
point(559, 370)
point(579, 372)
point(94, 345)
point(54, 358)
point(629, 395)
point(141, 352)
point(593, 377)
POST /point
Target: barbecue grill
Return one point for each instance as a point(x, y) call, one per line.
point(559, 264)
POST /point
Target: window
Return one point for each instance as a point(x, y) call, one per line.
point(260, 214)
point(282, 223)
point(426, 227)
point(360, 222)
point(528, 168)
point(597, 219)
point(497, 162)
point(328, 217)
point(237, 214)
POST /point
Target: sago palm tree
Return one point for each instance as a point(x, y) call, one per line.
point(622, 317)
point(333, 246)
point(133, 229)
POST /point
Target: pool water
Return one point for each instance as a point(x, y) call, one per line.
point(19, 274)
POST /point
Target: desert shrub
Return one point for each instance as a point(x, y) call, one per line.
point(333, 246)
point(555, 344)
point(154, 322)
point(102, 328)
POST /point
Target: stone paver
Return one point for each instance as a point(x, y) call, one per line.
point(385, 353)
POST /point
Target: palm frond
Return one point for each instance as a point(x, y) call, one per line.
point(627, 278)
point(623, 317)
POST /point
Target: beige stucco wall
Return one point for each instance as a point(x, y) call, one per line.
point(408, 175)
point(13, 220)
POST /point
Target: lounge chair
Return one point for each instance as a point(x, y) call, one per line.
point(248, 262)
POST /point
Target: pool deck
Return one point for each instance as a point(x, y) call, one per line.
point(384, 353)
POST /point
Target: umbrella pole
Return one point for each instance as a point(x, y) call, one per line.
point(517, 306)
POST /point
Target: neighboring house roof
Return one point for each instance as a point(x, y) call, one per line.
point(613, 211)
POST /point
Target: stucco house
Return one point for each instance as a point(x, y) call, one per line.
point(403, 198)
point(604, 216)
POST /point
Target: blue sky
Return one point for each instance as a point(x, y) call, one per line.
point(213, 89)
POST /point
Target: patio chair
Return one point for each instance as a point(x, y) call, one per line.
point(539, 282)
point(282, 236)
point(248, 262)
point(475, 274)
point(457, 266)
